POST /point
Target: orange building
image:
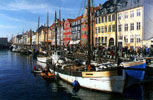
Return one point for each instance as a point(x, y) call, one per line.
point(84, 27)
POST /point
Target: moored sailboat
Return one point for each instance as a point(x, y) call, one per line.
point(108, 80)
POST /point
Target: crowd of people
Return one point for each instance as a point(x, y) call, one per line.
point(124, 52)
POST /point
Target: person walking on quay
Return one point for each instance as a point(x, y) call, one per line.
point(147, 51)
point(150, 51)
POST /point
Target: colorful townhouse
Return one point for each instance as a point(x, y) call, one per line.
point(39, 35)
point(133, 23)
point(105, 25)
point(52, 28)
point(29, 39)
point(67, 32)
point(76, 29)
point(60, 27)
point(84, 26)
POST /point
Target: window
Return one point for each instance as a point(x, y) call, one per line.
point(113, 17)
point(109, 18)
point(120, 37)
point(124, 5)
point(138, 38)
point(109, 28)
point(78, 22)
point(132, 26)
point(119, 28)
point(102, 18)
point(126, 39)
point(98, 29)
point(105, 29)
point(102, 29)
point(105, 39)
point(113, 27)
point(126, 15)
point(132, 14)
point(99, 40)
point(126, 27)
point(102, 39)
point(84, 25)
point(96, 20)
point(105, 18)
point(138, 12)
point(138, 26)
point(99, 20)
point(131, 38)
point(119, 16)
point(96, 40)
point(79, 28)
point(135, 1)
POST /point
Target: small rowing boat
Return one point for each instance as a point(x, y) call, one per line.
point(49, 76)
point(36, 71)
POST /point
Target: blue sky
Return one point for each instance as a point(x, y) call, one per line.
point(19, 15)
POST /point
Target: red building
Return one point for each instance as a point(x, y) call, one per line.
point(67, 32)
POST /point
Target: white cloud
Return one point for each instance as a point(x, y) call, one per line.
point(7, 26)
point(19, 5)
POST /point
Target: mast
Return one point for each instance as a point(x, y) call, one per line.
point(47, 31)
point(89, 48)
point(92, 24)
point(55, 31)
point(31, 39)
point(60, 28)
point(38, 30)
point(44, 35)
point(116, 41)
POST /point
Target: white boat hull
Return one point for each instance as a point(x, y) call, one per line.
point(43, 65)
point(107, 84)
point(42, 59)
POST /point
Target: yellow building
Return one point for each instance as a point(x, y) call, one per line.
point(130, 27)
point(105, 30)
point(42, 36)
point(29, 37)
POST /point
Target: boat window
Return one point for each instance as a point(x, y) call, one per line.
point(58, 53)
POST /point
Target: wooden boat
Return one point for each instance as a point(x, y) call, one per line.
point(108, 80)
point(104, 80)
point(42, 59)
point(49, 76)
point(37, 71)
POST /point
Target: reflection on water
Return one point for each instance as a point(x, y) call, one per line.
point(135, 92)
point(18, 83)
point(86, 94)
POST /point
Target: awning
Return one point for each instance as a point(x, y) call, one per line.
point(74, 42)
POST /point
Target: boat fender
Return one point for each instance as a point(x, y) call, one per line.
point(75, 83)
point(34, 67)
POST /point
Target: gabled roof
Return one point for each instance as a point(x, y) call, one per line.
point(40, 28)
point(53, 25)
point(78, 18)
point(70, 20)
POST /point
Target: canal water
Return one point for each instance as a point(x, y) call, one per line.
point(18, 83)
